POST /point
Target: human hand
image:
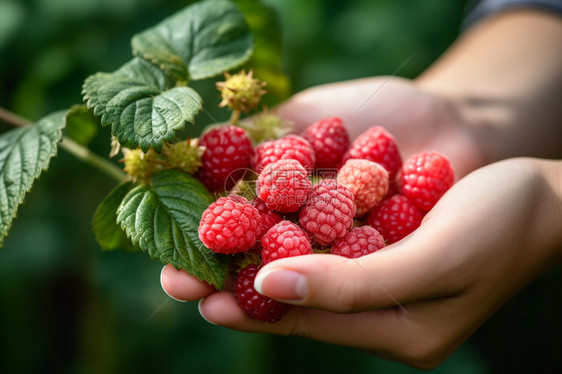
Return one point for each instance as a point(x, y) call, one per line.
point(419, 120)
point(417, 300)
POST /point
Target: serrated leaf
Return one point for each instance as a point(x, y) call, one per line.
point(201, 41)
point(24, 153)
point(108, 233)
point(81, 124)
point(141, 104)
point(163, 220)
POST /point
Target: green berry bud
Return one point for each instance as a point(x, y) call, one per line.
point(241, 92)
point(185, 155)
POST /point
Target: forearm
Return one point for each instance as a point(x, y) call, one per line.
point(504, 77)
point(549, 228)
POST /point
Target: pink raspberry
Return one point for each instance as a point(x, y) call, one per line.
point(328, 213)
point(230, 225)
point(360, 241)
point(285, 239)
point(256, 305)
point(288, 147)
point(425, 178)
point(329, 139)
point(395, 218)
point(268, 217)
point(367, 180)
point(228, 152)
point(283, 186)
point(378, 145)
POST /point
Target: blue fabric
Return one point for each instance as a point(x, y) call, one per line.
point(483, 8)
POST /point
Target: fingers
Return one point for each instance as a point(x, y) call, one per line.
point(411, 271)
point(222, 309)
point(408, 336)
point(181, 286)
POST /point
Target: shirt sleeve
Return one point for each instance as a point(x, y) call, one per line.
point(480, 9)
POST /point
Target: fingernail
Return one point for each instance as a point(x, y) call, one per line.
point(281, 284)
point(202, 316)
point(164, 288)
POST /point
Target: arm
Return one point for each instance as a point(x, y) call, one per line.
point(496, 93)
point(504, 76)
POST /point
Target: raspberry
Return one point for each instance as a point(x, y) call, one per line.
point(288, 147)
point(328, 213)
point(395, 218)
point(283, 186)
point(285, 239)
point(268, 217)
point(253, 303)
point(227, 156)
point(367, 180)
point(329, 139)
point(358, 242)
point(425, 178)
point(230, 225)
point(377, 145)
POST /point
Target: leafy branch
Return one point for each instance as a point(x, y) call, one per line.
point(145, 102)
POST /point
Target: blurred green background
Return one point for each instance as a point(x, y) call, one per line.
point(67, 307)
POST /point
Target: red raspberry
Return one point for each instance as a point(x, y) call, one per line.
point(288, 147)
point(328, 213)
point(395, 218)
point(253, 303)
point(329, 139)
point(425, 178)
point(268, 217)
point(227, 156)
point(285, 239)
point(378, 145)
point(230, 225)
point(283, 186)
point(360, 241)
point(367, 180)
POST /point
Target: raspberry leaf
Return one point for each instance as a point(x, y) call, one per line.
point(141, 104)
point(201, 41)
point(108, 233)
point(81, 124)
point(24, 153)
point(163, 220)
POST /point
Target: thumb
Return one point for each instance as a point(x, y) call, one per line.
point(393, 276)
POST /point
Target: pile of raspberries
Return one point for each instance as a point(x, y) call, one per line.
point(314, 193)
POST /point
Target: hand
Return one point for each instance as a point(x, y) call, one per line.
point(417, 300)
point(419, 120)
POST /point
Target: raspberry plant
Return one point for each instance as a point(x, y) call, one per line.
point(180, 199)
point(147, 102)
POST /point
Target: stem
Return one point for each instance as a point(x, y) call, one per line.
point(235, 117)
point(89, 157)
point(79, 151)
point(12, 118)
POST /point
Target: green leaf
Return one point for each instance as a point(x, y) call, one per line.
point(81, 124)
point(108, 233)
point(141, 104)
point(163, 219)
point(201, 41)
point(24, 153)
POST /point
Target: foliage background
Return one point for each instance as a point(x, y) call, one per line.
point(66, 307)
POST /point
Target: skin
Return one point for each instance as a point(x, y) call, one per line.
point(495, 231)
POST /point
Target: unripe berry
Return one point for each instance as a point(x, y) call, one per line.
point(241, 91)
